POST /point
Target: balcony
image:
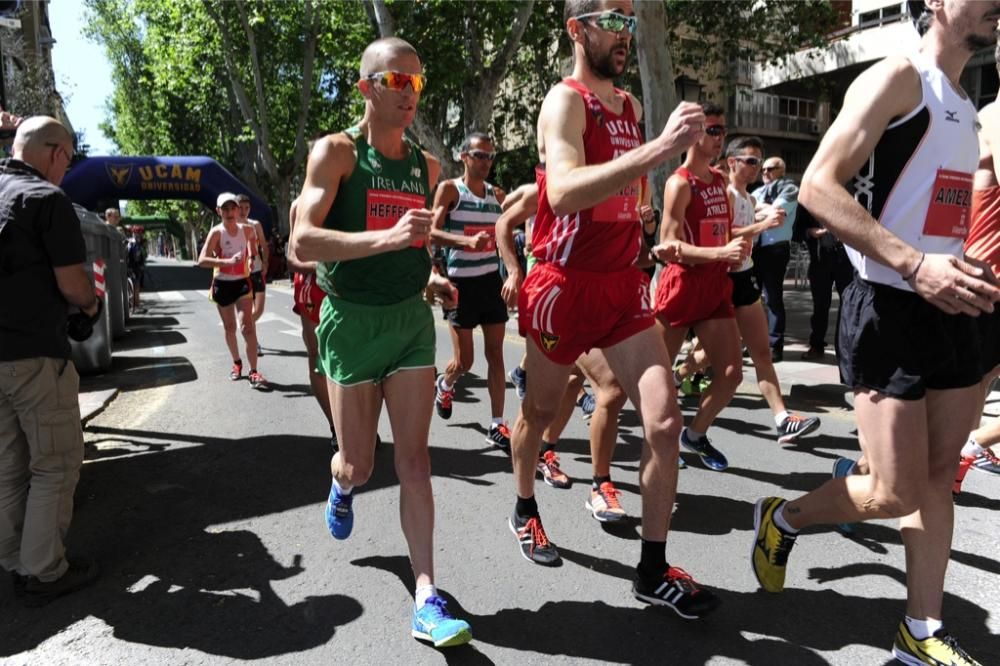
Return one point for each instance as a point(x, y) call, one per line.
point(775, 115)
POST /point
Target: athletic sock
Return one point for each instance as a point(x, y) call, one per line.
point(653, 560)
point(779, 520)
point(525, 508)
point(972, 449)
point(253, 370)
point(922, 629)
point(780, 417)
point(444, 385)
point(238, 361)
point(497, 420)
point(342, 489)
point(693, 435)
point(598, 480)
point(423, 593)
point(546, 447)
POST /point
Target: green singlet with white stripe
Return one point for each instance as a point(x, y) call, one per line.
point(377, 194)
point(470, 216)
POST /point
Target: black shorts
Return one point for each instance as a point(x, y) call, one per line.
point(257, 282)
point(898, 344)
point(745, 289)
point(989, 339)
point(479, 301)
point(226, 292)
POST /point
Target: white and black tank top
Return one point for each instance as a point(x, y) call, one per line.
point(917, 182)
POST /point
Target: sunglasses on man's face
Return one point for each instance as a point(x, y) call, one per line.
point(611, 21)
point(769, 169)
point(482, 155)
point(749, 161)
point(716, 130)
point(398, 80)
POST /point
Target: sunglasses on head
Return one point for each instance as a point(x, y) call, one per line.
point(749, 161)
point(611, 21)
point(398, 80)
point(481, 155)
point(716, 130)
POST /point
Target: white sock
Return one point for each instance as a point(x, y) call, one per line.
point(497, 420)
point(972, 448)
point(443, 383)
point(780, 417)
point(779, 520)
point(922, 629)
point(693, 435)
point(343, 490)
point(423, 593)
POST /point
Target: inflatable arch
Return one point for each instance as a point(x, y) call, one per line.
point(147, 178)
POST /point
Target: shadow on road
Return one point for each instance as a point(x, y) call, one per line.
point(770, 629)
point(171, 578)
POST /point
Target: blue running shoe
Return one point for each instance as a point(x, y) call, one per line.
point(520, 380)
point(339, 513)
point(432, 622)
point(709, 455)
point(587, 404)
point(843, 467)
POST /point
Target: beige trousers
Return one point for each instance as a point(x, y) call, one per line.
point(41, 450)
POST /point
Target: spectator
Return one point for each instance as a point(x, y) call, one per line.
point(135, 256)
point(42, 256)
point(773, 249)
point(829, 267)
point(112, 217)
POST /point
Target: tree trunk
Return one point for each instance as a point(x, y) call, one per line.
point(656, 70)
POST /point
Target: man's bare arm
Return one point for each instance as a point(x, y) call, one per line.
point(515, 215)
point(208, 258)
point(445, 199)
point(888, 90)
point(75, 286)
point(676, 197)
point(571, 184)
point(331, 161)
point(293, 261)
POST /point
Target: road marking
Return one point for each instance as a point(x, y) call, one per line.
point(163, 296)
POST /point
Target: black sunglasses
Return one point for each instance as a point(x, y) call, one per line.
point(716, 130)
point(749, 161)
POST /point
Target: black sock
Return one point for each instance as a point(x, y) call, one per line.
point(237, 361)
point(526, 508)
point(253, 370)
point(653, 562)
point(546, 447)
point(598, 480)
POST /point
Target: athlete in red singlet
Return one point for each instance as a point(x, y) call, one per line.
point(695, 290)
point(586, 291)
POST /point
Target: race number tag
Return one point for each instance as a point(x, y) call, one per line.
point(714, 232)
point(473, 229)
point(385, 207)
point(620, 207)
point(951, 203)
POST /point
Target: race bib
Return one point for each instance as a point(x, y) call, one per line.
point(385, 207)
point(951, 204)
point(473, 229)
point(714, 232)
point(620, 207)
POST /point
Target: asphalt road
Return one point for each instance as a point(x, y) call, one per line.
point(203, 500)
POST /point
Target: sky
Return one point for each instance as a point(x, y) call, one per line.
point(83, 75)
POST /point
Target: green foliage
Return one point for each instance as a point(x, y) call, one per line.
point(710, 36)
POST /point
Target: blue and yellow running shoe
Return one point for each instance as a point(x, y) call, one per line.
point(941, 649)
point(432, 622)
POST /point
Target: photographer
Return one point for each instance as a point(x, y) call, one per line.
point(42, 273)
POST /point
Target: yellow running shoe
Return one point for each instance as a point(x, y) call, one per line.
point(941, 649)
point(770, 547)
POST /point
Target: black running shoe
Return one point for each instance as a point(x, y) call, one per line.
point(795, 426)
point(531, 537)
point(81, 572)
point(710, 456)
point(678, 591)
point(499, 436)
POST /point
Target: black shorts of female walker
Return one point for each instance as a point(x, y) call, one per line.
point(898, 344)
point(226, 292)
point(479, 301)
point(745, 289)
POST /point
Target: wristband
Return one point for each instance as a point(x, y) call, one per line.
point(914, 273)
